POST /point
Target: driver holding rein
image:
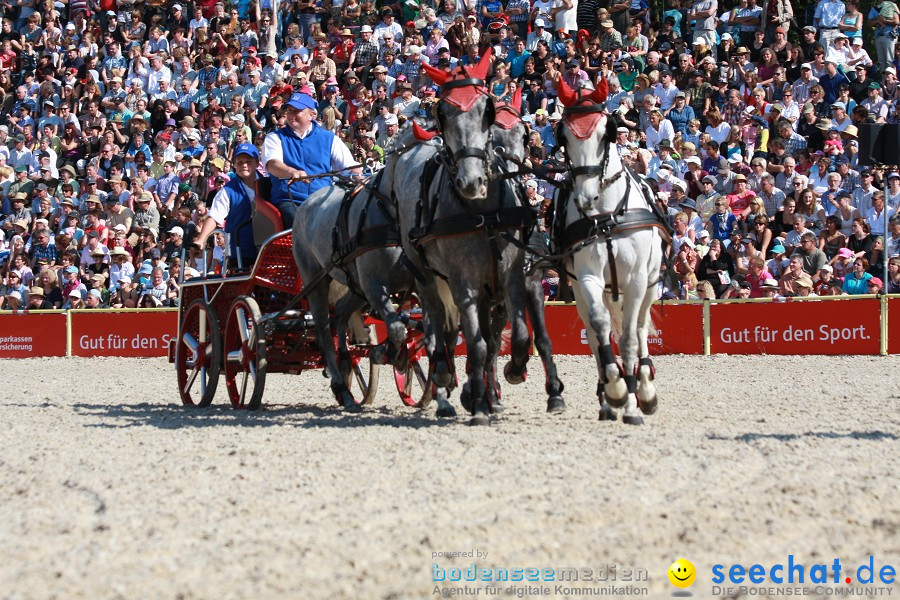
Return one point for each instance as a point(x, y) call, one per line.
point(299, 151)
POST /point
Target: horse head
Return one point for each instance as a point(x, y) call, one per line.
point(586, 132)
point(466, 113)
point(509, 132)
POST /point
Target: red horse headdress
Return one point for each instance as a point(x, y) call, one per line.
point(582, 123)
point(462, 96)
point(508, 112)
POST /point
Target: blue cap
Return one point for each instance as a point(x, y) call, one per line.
point(299, 100)
point(248, 149)
point(71, 269)
point(146, 269)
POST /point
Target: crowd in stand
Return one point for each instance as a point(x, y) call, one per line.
point(118, 120)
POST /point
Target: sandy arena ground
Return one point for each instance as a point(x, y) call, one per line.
point(110, 489)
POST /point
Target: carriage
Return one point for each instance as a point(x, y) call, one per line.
point(236, 323)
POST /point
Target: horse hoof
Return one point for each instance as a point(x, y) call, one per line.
point(607, 413)
point(446, 412)
point(497, 407)
point(648, 407)
point(401, 358)
point(352, 408)
point(513, 375)
point(556, 404)
point(480, 420)
point(442, 375)
point(465, 398)
point(633, 420)
point(378, 355)
point(616, 402)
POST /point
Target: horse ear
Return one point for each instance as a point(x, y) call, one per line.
point(601, 92)
point(516, 100)
point(480, 70)
point(436, 75)
point(565, 93)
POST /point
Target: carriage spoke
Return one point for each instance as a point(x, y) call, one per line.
point(244, 379)
point(190, 342)
point(242, 325)
point(190, 382)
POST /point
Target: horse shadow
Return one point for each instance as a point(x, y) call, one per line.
point(875, 435)
point(177, 416)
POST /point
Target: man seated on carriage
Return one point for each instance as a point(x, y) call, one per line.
point(295, 154)
point(232, 206)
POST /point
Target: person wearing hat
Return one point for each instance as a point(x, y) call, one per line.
point(830, 82)
point(388, 25)
point(299, 150)
point(37, 300)
point(232, 206)
point(875, 104)
point(19, 212)
point(740, 198)
point(146, 214)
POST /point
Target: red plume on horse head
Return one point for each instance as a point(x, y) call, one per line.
point(439, 76)
point(569, 97)
point(602, 91)
point(480, 69)
point(566, 94)
point(516, 101)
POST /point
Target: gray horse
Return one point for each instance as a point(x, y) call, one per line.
point(510, 139)
point(358, 247)
point(454, 235)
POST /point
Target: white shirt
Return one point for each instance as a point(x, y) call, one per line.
point(221, 204)
point(341, 157)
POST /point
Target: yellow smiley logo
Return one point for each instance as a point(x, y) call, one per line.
point(682, 573)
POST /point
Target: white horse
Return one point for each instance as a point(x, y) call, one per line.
point(613, 238)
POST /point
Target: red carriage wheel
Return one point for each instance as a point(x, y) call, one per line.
point(413, 384)
point(363, 379)
point(198, 355)
point(245, 354)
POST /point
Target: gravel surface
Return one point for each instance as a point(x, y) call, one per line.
point(110, 489)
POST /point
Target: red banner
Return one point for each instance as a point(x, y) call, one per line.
point(893, 332)
point(679, 329)
point(808, 327)
point(32, 335)
point(131, 333)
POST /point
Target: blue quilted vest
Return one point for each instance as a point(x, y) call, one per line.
point(239, 223)
point(312, 154)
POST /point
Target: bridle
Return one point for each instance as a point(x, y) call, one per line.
point(486, 155)
point(587, 170)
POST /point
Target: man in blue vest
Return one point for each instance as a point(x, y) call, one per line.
point(232, 206)
point(296, 153)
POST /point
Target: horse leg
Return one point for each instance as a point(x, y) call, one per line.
point(535, 305)
point(477, 347)
point(393, 350)
point(496, 324)
point(646, 392)
point(606, 411)
point(441, 393)
point(435, 326)
point(600, 321)
point(628, 346)
point(318, 306)
point(516, 369)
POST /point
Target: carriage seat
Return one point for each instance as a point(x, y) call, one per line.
point(267, 219)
